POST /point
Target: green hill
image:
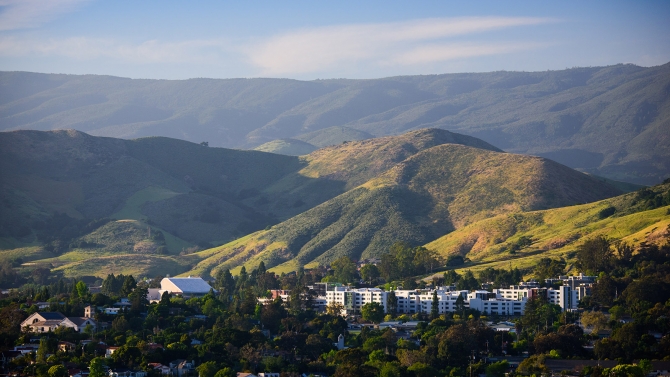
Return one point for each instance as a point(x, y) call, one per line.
point(331, 171)
point(609, 121)
point(55, 185)
point(432, 192)
point(642, 216)
point(290, 147)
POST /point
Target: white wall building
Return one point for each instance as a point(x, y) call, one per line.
point(185, 287)
point(354, 299)
point(510, 301)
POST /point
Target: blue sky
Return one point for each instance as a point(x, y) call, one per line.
point(314, 39)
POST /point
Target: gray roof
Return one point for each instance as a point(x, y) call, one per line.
point(191, 285)
point(51, 315)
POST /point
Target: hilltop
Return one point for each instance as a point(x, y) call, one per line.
point(430, 193)
point(609, 121)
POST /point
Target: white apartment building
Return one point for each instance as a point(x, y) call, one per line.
point(354, 299)
point(564, 296)
point(510, 301)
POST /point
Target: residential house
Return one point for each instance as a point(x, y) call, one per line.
point(42, 322)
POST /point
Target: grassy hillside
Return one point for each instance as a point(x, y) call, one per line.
point(642, 216)
point(432, 192)
point(331, 171)
point(610, 121)
point(290, 147)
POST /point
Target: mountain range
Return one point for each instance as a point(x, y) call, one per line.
point(609, 121)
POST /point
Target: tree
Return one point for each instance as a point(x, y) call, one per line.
point(435, 307)
point(497, 369)
point(373, 312)
point(335, 308)
point(451, 277)
point(468, 282)
point(226, 372)
point(595, 320)
point(207, 369)
point(548, 268)
point(594, 255)
point(138, 299)
point(96, 368)
point(392, 303)
point(82, 289)
point(58, 371)
point(425, 260)
point(128, 285)
point(42, 351)
point(369, 273)
point(344, 270)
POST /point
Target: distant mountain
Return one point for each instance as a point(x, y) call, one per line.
point(432, 192)
point(333, 136)
point(609, 121)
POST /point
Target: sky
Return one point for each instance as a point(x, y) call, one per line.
point(310, 40)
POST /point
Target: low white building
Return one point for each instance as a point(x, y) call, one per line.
point(185, 287)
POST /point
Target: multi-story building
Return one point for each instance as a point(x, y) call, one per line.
point(354, 299)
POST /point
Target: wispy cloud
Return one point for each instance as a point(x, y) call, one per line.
point(411, 42)
point(302, 53)
point(22, 14)
point(82, 48)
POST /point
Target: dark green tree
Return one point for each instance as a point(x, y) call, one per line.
point(128, 285)
point(373, 312)
point(435, 306)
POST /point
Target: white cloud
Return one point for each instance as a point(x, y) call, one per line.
point(324, 48)
point(346, 48)
point(22, 14)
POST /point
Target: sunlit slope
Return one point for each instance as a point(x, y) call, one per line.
point(331, 171)
point(557, 232)
point(433, 192)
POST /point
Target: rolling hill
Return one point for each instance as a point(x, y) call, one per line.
point(642, 216)
point(609, 121)
point(57, 185)
point(428, 194)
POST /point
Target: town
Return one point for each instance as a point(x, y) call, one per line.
point(263, 324)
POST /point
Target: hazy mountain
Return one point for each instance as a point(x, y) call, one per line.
point(610, 121)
